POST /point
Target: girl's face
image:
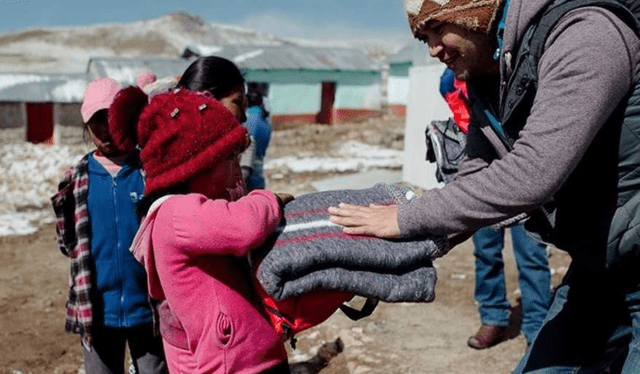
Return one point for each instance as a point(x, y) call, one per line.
point(222, 181)
point(236, 102)
point(98, 130)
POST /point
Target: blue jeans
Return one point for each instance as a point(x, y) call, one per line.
point(533, 275)
point(590, 326)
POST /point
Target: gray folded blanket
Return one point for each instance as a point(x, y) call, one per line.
point(311, 253)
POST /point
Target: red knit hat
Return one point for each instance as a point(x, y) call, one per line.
point(182, 133)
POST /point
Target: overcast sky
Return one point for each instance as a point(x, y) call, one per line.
point(308, 19)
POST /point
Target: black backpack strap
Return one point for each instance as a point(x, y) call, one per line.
point(554, 13)
point(354, 314)
point(523, 83)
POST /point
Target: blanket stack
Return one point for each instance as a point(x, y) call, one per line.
point(309, 253)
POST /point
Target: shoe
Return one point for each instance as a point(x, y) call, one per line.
point(487, 336)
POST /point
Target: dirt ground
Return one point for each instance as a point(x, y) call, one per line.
point(397, 338)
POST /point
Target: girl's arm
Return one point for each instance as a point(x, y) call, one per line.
point(200, 226)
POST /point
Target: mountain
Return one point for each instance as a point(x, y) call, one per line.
point(68, 49)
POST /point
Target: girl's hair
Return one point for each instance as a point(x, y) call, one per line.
point(216, 75)
point(101, 115)
point(254, 99)
point(142, 208)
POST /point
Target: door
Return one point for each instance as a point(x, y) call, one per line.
point(326, 103)
point(40, 123)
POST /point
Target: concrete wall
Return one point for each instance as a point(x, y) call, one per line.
point(68, 126)
point(425, 104)
point(13, 125)
point(12, 115)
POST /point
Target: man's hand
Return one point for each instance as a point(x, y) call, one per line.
point(375, 220)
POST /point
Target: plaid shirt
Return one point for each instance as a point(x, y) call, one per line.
point(72, 228)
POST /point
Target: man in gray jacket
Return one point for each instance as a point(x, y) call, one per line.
point(573, 142)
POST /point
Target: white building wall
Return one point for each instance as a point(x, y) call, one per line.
point(398, 90)
point(424, 105)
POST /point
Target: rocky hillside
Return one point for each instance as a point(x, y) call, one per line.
point(68, 49)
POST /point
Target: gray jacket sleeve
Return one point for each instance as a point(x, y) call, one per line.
point(588, 65)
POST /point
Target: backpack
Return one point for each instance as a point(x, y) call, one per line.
point(446, 139)
point(445, 146)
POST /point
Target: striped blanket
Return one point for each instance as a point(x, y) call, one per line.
point(309, 253)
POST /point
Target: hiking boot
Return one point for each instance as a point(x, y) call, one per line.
point(487, 336)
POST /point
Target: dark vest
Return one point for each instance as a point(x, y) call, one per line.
point(594, 216)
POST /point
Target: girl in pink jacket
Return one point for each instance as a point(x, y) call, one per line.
point(198, 226)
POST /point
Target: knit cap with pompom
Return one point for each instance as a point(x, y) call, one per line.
point(183, 133)
point(123, 117)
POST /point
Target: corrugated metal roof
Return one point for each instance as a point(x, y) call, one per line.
point(126, 70)
point(38, 87)
point(293, 57)
point(415, 52)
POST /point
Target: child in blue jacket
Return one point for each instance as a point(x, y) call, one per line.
point(260, 130)
point(96, 221)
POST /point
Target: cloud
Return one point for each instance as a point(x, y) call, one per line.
point(289, 26)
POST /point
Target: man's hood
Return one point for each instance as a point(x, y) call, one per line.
point(143, 250)
point(519, 15)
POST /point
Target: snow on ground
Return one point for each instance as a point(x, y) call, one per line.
point(29, 176)
point(352, 157)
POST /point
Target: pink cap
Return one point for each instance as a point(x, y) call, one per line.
point(145, 79)
point(99, 95)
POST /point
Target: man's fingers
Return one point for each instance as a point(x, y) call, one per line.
point(348, 220)
point(357, 230)
point(347, 210)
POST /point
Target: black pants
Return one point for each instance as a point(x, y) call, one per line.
point(107, 354)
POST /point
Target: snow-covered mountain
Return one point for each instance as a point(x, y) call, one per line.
point(68, 49)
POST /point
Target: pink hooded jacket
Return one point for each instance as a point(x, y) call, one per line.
point(193, 249)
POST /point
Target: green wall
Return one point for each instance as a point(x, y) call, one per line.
point(400, 69)
point(300, 91)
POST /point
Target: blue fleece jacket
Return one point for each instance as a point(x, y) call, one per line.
point(120, 281)
point(260, 129)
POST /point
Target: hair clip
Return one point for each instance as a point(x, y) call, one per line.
point(175, 113)
point(202, 107)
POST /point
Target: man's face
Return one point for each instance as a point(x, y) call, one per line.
point(467, 53)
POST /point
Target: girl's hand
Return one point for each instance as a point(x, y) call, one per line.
point(375, 220)
point(284, 197)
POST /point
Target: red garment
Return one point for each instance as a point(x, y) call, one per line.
point(458, 101)
point(169, 154)
point(296, 314)
point(194, 251)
